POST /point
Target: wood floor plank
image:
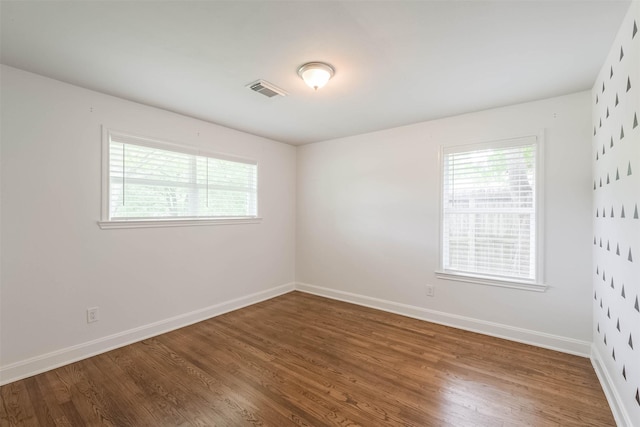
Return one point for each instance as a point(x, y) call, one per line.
point(49, 399)
point(18, 408)
point(326, 366)
point(291, 384)
point(234, 377)
point(156, 395)
point(404, 375)
point(125, 395)
point(303, 360)
point(217, 385)
point(41, 410)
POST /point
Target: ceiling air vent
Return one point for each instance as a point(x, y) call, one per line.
point(267, 89)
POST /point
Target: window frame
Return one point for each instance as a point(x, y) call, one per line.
point(127, 137)
point(538, 283)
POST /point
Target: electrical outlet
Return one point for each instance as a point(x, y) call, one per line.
point(430, 290)
point(92, 314)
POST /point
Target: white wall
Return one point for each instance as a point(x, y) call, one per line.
point(368, 223)
point(56, 262)
point(616, 323)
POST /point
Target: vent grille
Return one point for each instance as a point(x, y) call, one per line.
point(267, 89)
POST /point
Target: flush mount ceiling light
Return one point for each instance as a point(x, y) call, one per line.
point(316, 74)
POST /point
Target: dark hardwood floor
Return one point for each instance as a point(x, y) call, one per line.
point(304, 360)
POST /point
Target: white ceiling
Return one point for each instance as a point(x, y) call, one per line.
point(397, 62)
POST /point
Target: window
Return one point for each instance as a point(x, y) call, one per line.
point(154, 181)
point(490, 213)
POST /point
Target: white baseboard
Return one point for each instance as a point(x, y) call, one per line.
point(55, 359)
point(620, 414)
point(526, 336)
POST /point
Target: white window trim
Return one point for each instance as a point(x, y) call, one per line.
point(536, 285)
point(152, 223)
point(105, 223)
point(491, 281)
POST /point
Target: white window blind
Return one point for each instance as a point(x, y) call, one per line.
point(489, 210)
point(149, 180)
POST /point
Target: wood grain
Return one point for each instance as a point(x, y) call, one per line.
point(302, 360)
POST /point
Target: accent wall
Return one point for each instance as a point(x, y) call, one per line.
point(615, 101)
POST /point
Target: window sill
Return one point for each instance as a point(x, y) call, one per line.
point(525, 286)
point(149, 223)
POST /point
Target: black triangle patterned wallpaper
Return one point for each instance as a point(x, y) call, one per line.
point(616, 196)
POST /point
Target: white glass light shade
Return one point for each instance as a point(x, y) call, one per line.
point(316, 74)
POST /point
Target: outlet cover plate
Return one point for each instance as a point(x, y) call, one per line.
point(93, 315)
